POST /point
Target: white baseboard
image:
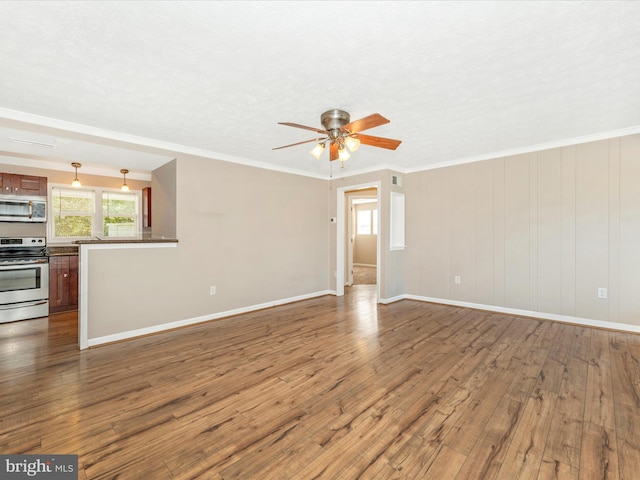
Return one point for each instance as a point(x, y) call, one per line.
point(587, 322)
point(215, 316)
point(392, 299)
point(365, 265)
point(92, 342)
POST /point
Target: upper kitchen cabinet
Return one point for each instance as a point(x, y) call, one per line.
point(28, 185)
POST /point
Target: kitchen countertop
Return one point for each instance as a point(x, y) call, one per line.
point(100, 241)
point(61, 250)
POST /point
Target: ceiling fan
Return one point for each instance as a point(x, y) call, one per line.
point(342, 135)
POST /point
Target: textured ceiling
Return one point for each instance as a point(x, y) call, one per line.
point(458, 80)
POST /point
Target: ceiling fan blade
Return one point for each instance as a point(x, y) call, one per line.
point(389, 143)
point(333, 152)
point(365, 123)
point(297, 125)
point(299, 143)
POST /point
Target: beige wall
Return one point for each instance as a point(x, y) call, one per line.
point(539, 232)
point(257, 235)
point(164, 201)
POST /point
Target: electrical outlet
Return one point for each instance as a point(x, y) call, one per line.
point(212, 290)
point(602, 293)
point(457, 280)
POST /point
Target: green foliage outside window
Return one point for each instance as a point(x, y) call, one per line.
point(73, 213)
point(119, 213)
point(73, 227)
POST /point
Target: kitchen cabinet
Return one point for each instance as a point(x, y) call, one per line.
point(146, 207)
point(63, 283)
point(27, 185)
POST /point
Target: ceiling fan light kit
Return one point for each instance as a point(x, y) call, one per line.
point(342, 135)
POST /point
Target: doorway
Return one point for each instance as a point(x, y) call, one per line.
point(351, 200)
point(363, 240)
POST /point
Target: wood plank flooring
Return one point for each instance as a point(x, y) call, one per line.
point(330, 388)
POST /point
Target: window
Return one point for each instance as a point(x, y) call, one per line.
point(367, 221)
point(72, 212)
point(119, 214)
point(84, 213)
point(364, 222)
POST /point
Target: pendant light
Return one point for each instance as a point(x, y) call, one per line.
point(76, 183)
point(125, 187)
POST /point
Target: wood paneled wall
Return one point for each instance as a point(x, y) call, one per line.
point(540, 231)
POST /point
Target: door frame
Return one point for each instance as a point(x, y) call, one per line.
point(342, 231)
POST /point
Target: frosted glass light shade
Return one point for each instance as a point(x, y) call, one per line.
point(317, 150)
point(352, 144)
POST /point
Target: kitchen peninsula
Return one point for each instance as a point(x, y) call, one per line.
point(112, 298)
point(110, 241)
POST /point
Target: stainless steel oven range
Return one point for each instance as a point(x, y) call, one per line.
point(24, 278)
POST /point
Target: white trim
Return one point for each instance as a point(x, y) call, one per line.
point(64, 167)
point(397, 298)
point(204, 318)
point(345, 173)
point(83, 281)
point(530, 148)
point(177, 148)
point(364, 265)
point(587, 322)
point(147, 142)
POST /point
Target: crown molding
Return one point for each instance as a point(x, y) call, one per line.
point(29, 161)
point(166, 147)
point(173, 149)
point(531, 148)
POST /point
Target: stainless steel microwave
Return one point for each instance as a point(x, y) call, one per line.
point(18, 208)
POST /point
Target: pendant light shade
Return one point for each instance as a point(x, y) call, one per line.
point(76, 183)
point(352, 143)
point(343, 154)
point(317, 151)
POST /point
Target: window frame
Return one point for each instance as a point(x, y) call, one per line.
point(371, 210)
point(97, 228)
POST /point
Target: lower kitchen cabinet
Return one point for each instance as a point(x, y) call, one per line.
point(63, 283)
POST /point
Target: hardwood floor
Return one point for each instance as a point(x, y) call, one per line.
point(329, 388)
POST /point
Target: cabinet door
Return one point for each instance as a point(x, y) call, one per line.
point(8, 181)
point(58, 283)
point(13, 184)
point(30, 185)
point(146, 207)
point(73, 282)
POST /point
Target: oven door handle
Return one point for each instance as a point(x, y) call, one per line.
point(22, 263)
point(11, 306)
point(30, 209)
